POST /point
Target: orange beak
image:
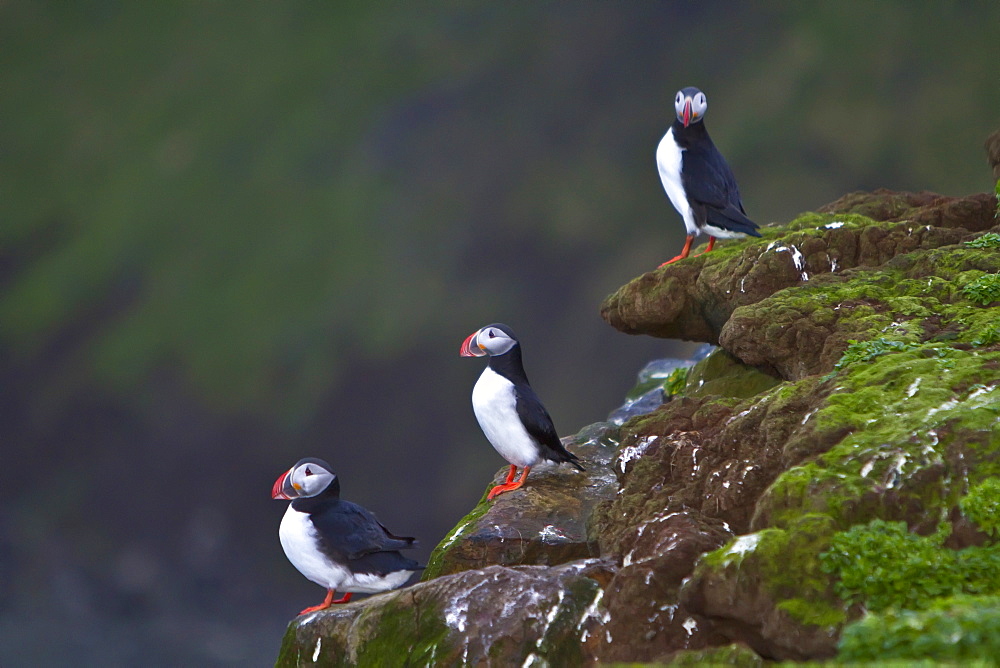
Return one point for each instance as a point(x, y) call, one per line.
point(687, 112)
point(469, 349)
point(278, 491)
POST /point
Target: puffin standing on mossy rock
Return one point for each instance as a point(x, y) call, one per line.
point(698, 179)
point(337, 544)
point(508, 410)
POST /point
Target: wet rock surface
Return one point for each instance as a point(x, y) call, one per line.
point(493, 616)
point(543, 522)
point(858, 377)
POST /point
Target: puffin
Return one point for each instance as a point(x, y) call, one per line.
point(508, 410)
point(698, 179)
point(337, 544)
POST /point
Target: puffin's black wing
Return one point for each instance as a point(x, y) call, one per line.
point(709, 181)
point(349, 531)
point(539, 425)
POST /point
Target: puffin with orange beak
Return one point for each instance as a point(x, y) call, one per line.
point(698, 179)
point(508, 410)
point(337, 544)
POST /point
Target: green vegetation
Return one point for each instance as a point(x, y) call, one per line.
point(961, 629)
point(866, 351)
point(989, 335)
point(988, 240)
point(983, 290)
point(675, 382)
point(883, 565)
point(982, 506)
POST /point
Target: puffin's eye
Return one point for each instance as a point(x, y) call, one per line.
point(701, 98)
point(492, 334)
point(678, 98)
point(309, 471)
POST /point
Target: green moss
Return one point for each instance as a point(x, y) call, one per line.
point(983, 290)
point(893, 421)
point(961, 629)
point(982, 506)
point(813, 612)
point(787, 562)
point(399, 630)
point(819, 221)
point(737, 655)
point(724, 375)
point(391, 629)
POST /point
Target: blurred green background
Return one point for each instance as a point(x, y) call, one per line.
point(233, 234)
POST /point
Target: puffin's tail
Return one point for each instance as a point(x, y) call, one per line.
point(572, 460)
point(731, 218)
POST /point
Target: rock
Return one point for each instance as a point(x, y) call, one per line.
point(722, 374)
point(491, 616)
point(657, 381)
point(647, 402)
point(544, 522)
point(694, 299)
point(857, 380)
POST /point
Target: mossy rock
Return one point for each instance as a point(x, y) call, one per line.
point(722, 374)
point(858, 380)
point(736, 655)
point(496, 615)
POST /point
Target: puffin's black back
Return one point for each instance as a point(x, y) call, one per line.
point(709, 182)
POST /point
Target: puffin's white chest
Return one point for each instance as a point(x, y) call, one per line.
point(669, 160)
point(494, 403)
point(298, 540)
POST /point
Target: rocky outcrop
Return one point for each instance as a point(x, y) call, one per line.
point(693, 300)
point(543, 523)
point(857, 378)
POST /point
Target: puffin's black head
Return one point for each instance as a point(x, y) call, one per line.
point(690, 105)
point(309, 477)
point(495, 339)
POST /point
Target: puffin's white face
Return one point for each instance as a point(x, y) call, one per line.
point(690, 105)
point(305, 479)
point(490, 340)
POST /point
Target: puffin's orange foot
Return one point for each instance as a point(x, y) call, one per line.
point(684, 251)
point(327, 602)
point(509, 486)
point(672, 260)
point(500, 489)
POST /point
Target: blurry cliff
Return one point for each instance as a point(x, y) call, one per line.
point(236, 234)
